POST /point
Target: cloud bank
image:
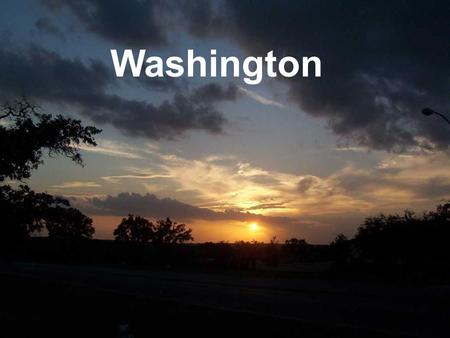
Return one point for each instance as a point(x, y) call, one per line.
point(45, 75)
point(383, 62)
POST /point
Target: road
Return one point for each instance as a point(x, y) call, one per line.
point(411, 311)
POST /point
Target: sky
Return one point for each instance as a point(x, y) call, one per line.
point(300, 157)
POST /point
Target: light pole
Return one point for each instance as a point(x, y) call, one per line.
point(429, 112)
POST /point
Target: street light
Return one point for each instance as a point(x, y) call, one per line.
point(429, 112)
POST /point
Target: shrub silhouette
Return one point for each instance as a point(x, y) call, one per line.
point(139, 229)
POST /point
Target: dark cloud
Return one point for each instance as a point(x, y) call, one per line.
point(362, 181)
point(203, 17)
point(143, 23)
point(306, 183)
point(382, 62)
point(264, 179)
point(366, 182)
point(46, 25)
point(44, 75)
point(170, 119)
point(129, 23)
point(213, 92)
point(134, 23)
point(436, 187)
point(149, 205)
point(160, 84)
point(272, 205)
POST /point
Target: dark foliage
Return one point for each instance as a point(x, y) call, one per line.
point(134, 229)
point(139, 229)
point(66, 222)
point(340, 249)
point(25, 133)
point(297, 248)
point(405, 239)
point(26, 212)
point(22, 211)
point(168, 232)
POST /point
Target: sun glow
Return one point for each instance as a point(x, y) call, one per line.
point(253, 227)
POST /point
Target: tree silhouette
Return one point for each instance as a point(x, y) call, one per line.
point(168, 232)
point(406, 238)
point(68, 223)
point(20, 209)
point(25, 212)
point(25, 133)
point(134, 229)
point(139, 229)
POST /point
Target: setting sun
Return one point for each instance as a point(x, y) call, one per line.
point(253, 226)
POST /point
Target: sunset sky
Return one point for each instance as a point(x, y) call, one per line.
point(299, 157)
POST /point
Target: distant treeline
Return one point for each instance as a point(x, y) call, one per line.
point(393, 242)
